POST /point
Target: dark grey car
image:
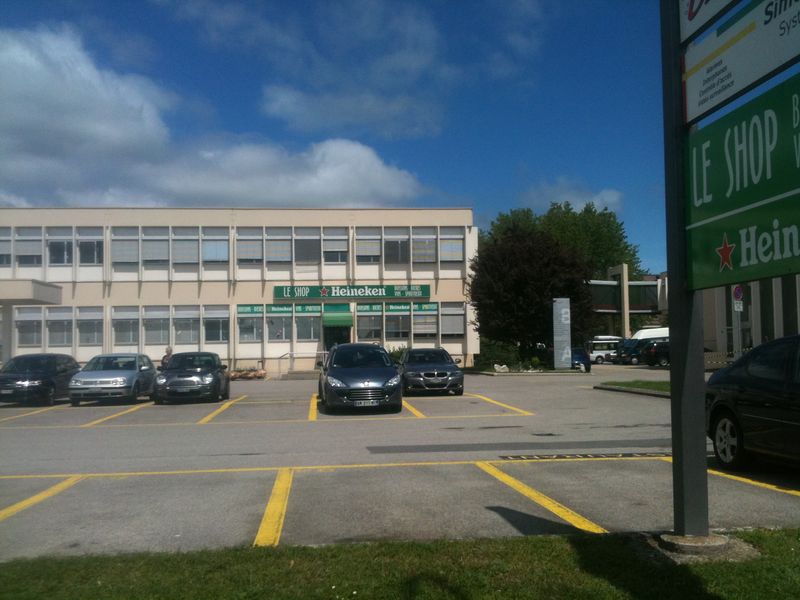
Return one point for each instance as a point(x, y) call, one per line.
point(198, 375)
point(754, 404)
point(359, 376)
point(37, 378)
point(431, 370)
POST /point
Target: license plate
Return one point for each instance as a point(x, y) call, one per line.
point(95, 390)
point(365, 403)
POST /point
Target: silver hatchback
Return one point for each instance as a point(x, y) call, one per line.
point(125, 376)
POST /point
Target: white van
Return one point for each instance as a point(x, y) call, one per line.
point(651, 333)
point(601, 346)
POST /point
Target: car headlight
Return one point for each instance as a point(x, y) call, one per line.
point(161, 379)
point(393, 381)
point(335, 383)
point(119, 381)
point(208, 378)
point(75, 382)
point(29, 382)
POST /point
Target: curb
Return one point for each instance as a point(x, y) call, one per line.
point(640, 391)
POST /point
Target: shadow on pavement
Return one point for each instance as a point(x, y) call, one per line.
point(528, 524)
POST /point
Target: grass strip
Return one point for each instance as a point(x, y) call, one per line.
point(639, 384)
point(578, 566)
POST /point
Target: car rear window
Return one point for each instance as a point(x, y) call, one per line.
point(428, 356)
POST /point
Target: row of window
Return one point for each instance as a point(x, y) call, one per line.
point(253, 245)
point(155, 330)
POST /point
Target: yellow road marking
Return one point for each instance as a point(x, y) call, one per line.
point(224, 407)
point(721, 50)
point(312, 409)
point(269, 532)
point(115, 415)
point(542, 500)
point(515, 409)
point(768, 486)
point(27, 414)
point(413, 410)
point(40, 497)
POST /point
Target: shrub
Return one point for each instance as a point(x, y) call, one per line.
point(499, 353)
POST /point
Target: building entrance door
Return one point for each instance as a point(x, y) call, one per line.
point(335, 334)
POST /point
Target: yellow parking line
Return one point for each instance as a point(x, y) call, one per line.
point(224, 407)
point(414, 411)
point(27, 414)
point(115, 415)
point(40, 497)
point(312, 409)
point(542, 500)
point(760, 484)
point(269, 532)
point(515, 409)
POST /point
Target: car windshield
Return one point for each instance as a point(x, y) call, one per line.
point(428, 356)
point(349, 358)
point(191, 361)
point(29, 364)
point(111, 363)
point(629, 344)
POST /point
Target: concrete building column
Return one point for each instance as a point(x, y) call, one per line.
point(621, 271)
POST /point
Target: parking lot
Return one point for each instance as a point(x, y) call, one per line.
point(514, 456)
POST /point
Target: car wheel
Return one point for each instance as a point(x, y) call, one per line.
point(157, 400)
point(396, 408)
point(460, 392)
point(227, 394)
point(134, 392)
point(728, 441)
point(49, 397)
point(663, 362)
point(634, 361)
point(599, 360)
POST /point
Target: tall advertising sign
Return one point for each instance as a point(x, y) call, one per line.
point(696, 13)
point(562, 336)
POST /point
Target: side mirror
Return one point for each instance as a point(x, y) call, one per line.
point(144, 368)
point(458, 361)
point(223, 367)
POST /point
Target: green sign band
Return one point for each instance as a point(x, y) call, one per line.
point(743, 192)
point(249, 309)
point(350, 292)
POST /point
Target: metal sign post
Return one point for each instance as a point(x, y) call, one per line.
point(690, 480)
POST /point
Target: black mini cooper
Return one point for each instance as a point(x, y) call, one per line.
point(195, 375)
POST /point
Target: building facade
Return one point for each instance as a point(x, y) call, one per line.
point(264, 288)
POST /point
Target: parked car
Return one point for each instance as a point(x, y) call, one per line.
point(431, 370)
point(581, 360)
point(630, 351)
point(656, 353)
point(753, 406)
point(359, 375)
point(192, 375)
point(37, 378)
point(601, 347)
point(124, 376)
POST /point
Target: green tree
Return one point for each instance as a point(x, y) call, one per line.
point(518, 271)
point(596, 236)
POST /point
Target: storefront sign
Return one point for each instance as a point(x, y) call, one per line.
point(753, 43)
point(249, 309)
point(333, 308)
point(279, 309)
point(400, 307)
point(308, 308)
point(339, 292)
point(428, 307)
point(370, 308)
point(743, 218)
point(562, 334)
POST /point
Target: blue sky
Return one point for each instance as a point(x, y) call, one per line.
point(489, 105)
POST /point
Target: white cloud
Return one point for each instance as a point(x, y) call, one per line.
point(74, 134)
point(539, 197)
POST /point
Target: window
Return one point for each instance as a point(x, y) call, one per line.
point(395, 246)
point(251, 329)
point(59, 252)
point(90, 332)
point(156, 331)
point(306, 246)
point(187, 331)
point(308, 328)
point(368, 245)
point(126, 332)
point(124, 251)
point(249, 252)
point(452, 320)
point(279, 245)
point(215, 251)
point(398, 327)
point(424, 245)
point(5, 253)
point(770, 362)
point(155, 252)
point(334, 245)
point(90, 252)
point(369, 327)
point(185, 252)
point(451, 244)
point(216, 330)
point(29, 333)
point(59, 333)
point(279, 328)
point(425, 327)
point(29, 252)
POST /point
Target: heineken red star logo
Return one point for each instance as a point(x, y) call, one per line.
point(323, 291)
point(725, 254)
